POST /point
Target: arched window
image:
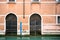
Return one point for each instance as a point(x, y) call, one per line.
point(11, 24)
point(35, 24)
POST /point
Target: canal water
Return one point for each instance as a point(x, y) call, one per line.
point(30, 38)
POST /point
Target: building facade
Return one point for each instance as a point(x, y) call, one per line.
point(30, 17)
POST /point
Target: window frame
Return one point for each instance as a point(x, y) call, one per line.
point(57, 1)
point(57, 20)
point(35, 1)
point(11, 1)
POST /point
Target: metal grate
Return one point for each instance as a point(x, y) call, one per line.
point(11, 0)
point(11, 24)
point(35, 0)
point(35, 24)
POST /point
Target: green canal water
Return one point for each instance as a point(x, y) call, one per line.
point(30, 38)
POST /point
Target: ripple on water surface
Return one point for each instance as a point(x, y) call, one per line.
point(30, 38)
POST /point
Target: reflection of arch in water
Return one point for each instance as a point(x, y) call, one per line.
point(23, 38)
point(11, 24)
point(31, 38)
point(35, 24)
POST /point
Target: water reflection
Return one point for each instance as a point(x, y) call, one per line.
point(23, 38)
point(30, 38)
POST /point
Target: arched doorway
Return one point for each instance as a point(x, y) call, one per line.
point(35, 24)
point(11, 24)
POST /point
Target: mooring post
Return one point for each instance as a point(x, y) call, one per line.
point(20, 28)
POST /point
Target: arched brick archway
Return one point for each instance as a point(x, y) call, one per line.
point(35, 24)
point(11, 24)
